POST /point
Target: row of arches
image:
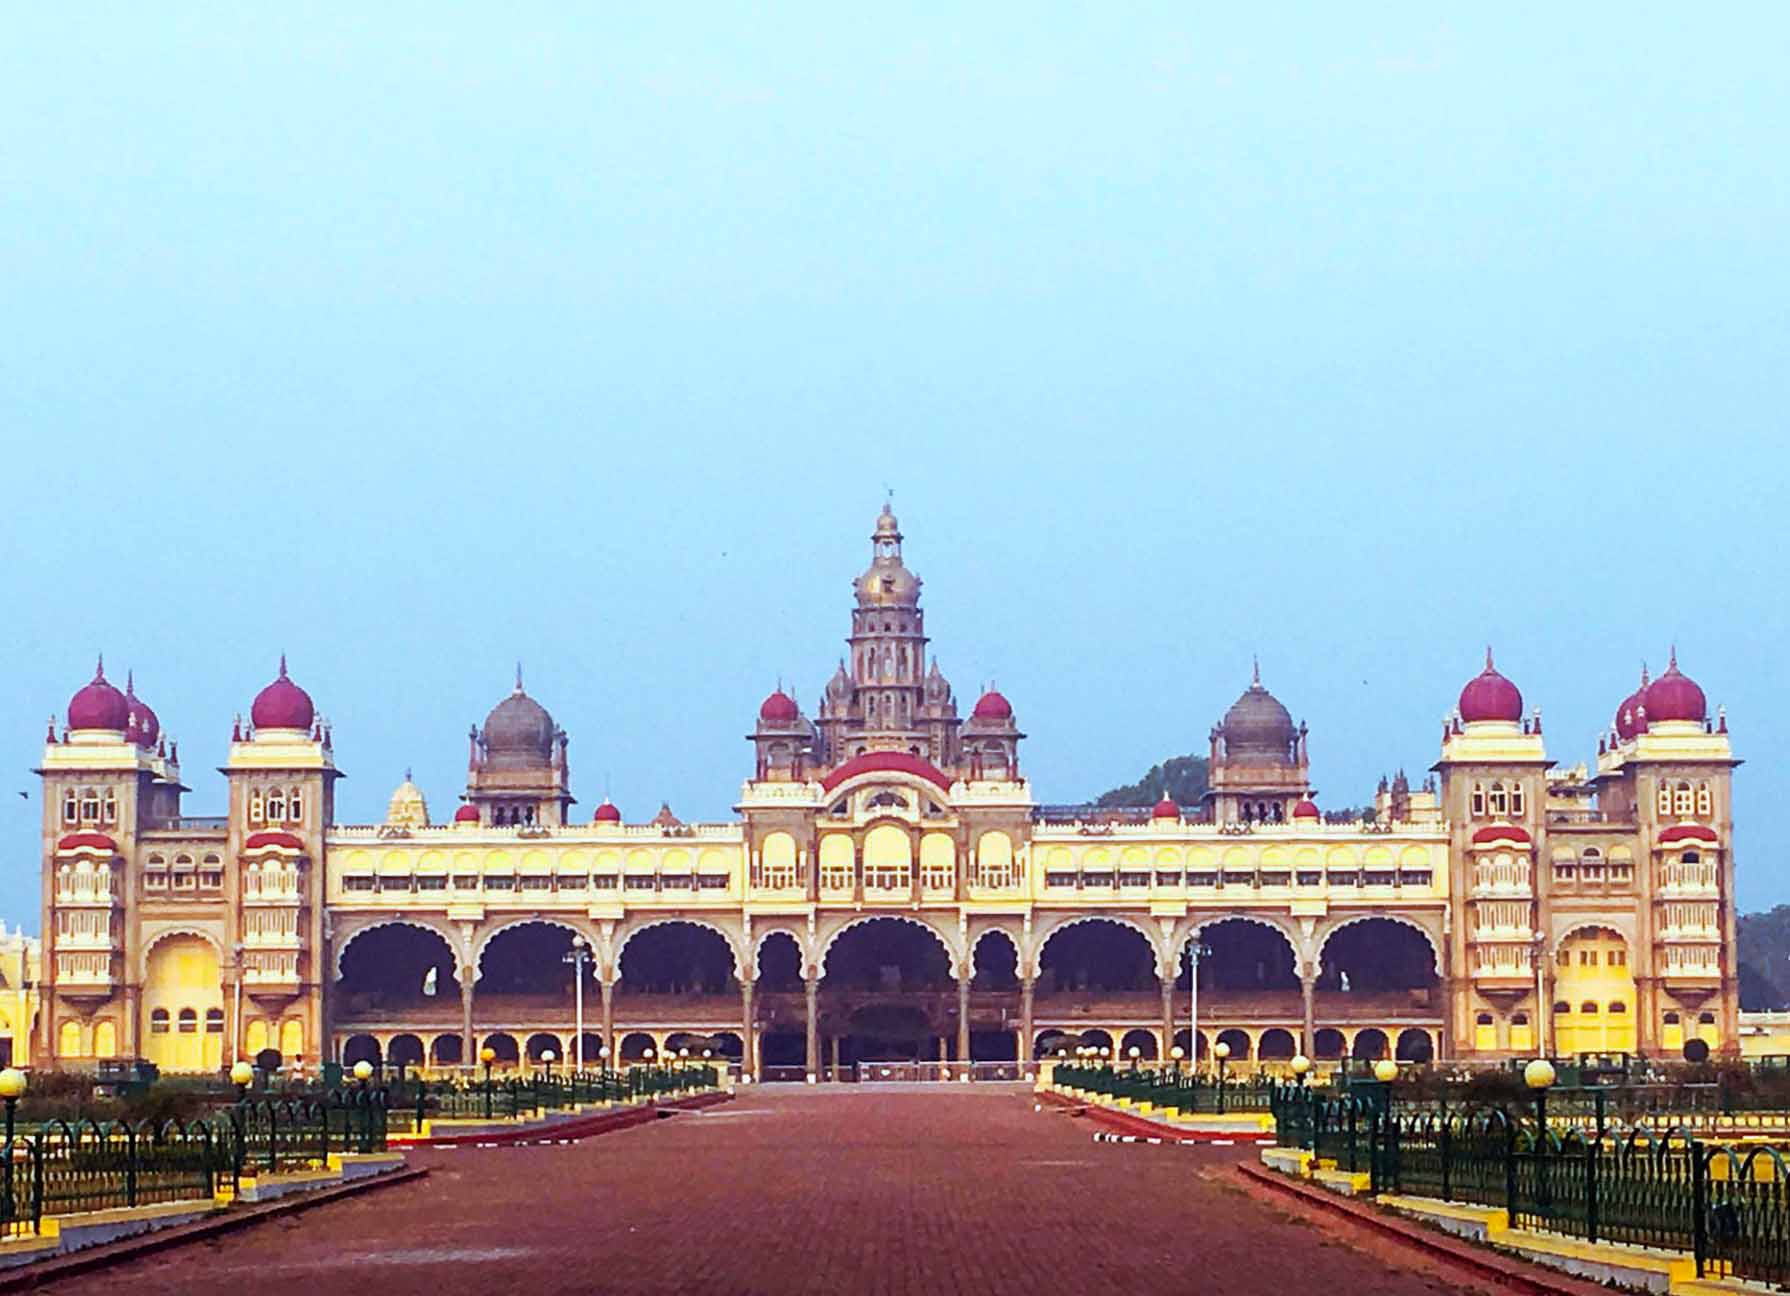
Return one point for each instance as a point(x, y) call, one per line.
point(1273, 1044)
point(513, 1049)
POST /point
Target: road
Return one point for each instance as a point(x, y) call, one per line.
point(875, 1189)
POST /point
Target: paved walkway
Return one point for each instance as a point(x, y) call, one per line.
point(933, 1190)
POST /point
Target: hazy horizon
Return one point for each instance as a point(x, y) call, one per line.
point(414, 343)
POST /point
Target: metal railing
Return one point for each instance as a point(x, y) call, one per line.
point(1172, 1087)
point(537, 1095)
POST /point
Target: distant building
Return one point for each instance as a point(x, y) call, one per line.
point(890, 887)
point(21, 958)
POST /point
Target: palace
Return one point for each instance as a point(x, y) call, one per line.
point(890, 888)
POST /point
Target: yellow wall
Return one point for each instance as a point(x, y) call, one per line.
point(1592, 968)
point(184, 981)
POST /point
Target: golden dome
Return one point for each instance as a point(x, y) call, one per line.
point(407, 808)
point(887, 582)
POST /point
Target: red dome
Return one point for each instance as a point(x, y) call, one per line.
point(1687, 832)
point(1489, 696)
point(97, 705)
point(1674, 696)
point(1306, 809)
point(779, 708)
point(271, 840)
point(282, 704)
point(1628, 715)
point(147, 727)
point(992, 706)
point(467, 813)
point(1501, 832)
point(1166, 809)
point(88, 841)
point(607, 813)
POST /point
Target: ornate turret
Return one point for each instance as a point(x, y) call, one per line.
point(1259, 768)
point(518, 772)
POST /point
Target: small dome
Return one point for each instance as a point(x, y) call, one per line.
point(779, 708)
point(468, 813)
point(992, 705)
point(607, 813)
point(1258, 725)
point(1628, 715)
point(142, 724)
point(282, 704)
point(1166, 809)
point(98, 705)
point(519, 733)
point(407, 808)
point(1306, 809)
point(1489, 696)
point(1674, 696)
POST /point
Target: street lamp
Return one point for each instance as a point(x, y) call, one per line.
point(1301, 1066)
point(1538, 1075)
point(1175, 1055)
point(242, 1075)
point(1196, 950)
point(363, 1071)
point(547, 1056)
point(12, 1088)
point(1221, 1051)
point(577, 958)
point(1134, 1053)
point(487, 1055)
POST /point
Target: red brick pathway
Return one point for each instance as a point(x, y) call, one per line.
point(791, 1190)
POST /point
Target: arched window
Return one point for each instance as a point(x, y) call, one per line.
point(1519, 1019)
point(1483, 1019)
point(70, 806)
point(1663, 802)
point(111, 807)
point(1499, 802)
point(1683, 800)
point(1671, 1019)
point(1705, 801)
point(1478, 807)
point(189, 1021)
point(276, 806)
point(255, 808)
point(158, 1022)
point(214, 1021)
point(295, 805)
point(1707, 1018)
point(1617, 1006)
point(1690, 857)
point(1588, 1008)
point(1516, 798)
point(89, 806)
point(1562, 1008)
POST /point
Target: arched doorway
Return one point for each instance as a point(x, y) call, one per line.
point(395, 968)
point(1370, 1044)
point(1277, 1045)
point(361, 1048)
point(1595, 982)
point(684, 959)
point(1096, 958)
point(779, 964)
point(1328, 1044)
point(1414, 1046)
point(1143, 1041)
point(182, 987)
point(405, 1051)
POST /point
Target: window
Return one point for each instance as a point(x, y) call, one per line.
point(89, 806)
point(1519, 1019)
point(276, 806)
point(295, 805)
point(1588, 1008)
point(1706, 1019)
point(1618, 1007)
point(1564, 958)
point(1499, 802)
point(1483, 1019)
point(211, 880)
point(1671, 1019)
point(1705, 801)
point(1562, 1008)
point(1683, 802)
point(1478, 802)
point(255, 807)
point(70, 806)
point(214, 1021)
point(1663, 802)
point(189, 1022)
point(355, 882)
point(111, 807)
point(1617, 958)
point(158, 1022)
point(1516, 798)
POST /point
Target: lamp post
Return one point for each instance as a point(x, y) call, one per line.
point(363, 1072)
point(1538, 1075)
point(1543, 1009)
point(547, 1056)
point(1134, 1053)
point(1196, 951)
point(1386, 1071)
point(12, 1088)
point(1221, 1051)
point(242, 1075)
point(577, 958)
point(1301, 1067)
point(487, 1055)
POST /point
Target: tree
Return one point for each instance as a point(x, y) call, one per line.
point(1763, 958)
point(1182, 778)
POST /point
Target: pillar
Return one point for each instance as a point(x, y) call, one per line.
point(607, 989)
point(1168, 1017)
point(1308, 985)
point(469, 1045)
point(748, 1033)
point(963, 1017)
point(833, 1052)
point(1025, 1021)
point(811, 986)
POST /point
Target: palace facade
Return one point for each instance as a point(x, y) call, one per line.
point(890, 887)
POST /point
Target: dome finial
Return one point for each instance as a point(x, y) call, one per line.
point(1488, 658)
point(282, 665)
point(1672, 658)
point(1255, 663)
point(407, 773)
point(130, 683)
point(99, 670)
point(518, 676)
point(1644, 680)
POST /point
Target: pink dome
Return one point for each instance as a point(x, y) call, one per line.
point(1166, 809)
point(992, 705)
point(1628, 715)
point(147, 727)
point(1489, 696)
point(97, 705)
point(282, 704)
point(467, 813)
point(607, 813)
point(1306, 809)
point(779, 708)
point(1675, 696)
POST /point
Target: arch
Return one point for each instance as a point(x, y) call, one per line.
point(1044, 937)
point(523, 920)
point(1328, 1043)
point(538, 1045)
point(1414, 1045)
point(826, 946)
point(179, 929)
point(268, 1059)
point(1277, 1044)
point(888, 931)
point(1049, 1041)
point(503, 1044)
point(1239, 1042)
point(1107, 954)
point(1225, 974)
point(783, 973)
point(405, 1050)
point(1370, 1044)
point(695, 920)
point(445, 1050)
point(400, 962)
point(991, 969)
point(1429, 937)
point(352, 934)
point(1094, 1037)
point(1144, 1041)
point(728, 1046)
point(360, 1048)
point(635, 1045)
point(1589, 926)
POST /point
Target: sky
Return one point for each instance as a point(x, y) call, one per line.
point(416, 341)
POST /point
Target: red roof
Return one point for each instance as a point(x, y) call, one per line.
point(992, 705)
point(1501, 832)
point(1306, 809)
point(607, 813)
point(779, 708)
point(98, 705)
point(88, 841)
point(1166, 809)
point(282, 705)
point(266, 840)
point(1687, 832)
point(147, 727)
point(1674, 696)
point(467, 813)
point(890, 762)
point(1489, 696)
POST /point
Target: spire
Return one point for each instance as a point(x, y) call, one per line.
point(130, 684)
point(407, 773)
point(518, 676)
point(99, 671)
point(1672, 659)
point(1255, 663)
point(1488, 658)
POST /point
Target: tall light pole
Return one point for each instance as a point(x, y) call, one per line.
point(1538, 957)
point(580, 952)
point(1197, 949)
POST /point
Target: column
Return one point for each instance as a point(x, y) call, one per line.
point(1308, 985)
point(963, 1017)
point(748, 1033)
point(607, 989)
point(1025, 1020)
point(1168, 1017)
point(469, 1044)
point(833, 1052)
point(812, 989)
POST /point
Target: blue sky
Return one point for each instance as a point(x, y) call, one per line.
point(415, 342)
